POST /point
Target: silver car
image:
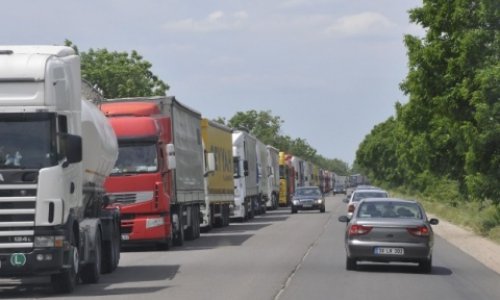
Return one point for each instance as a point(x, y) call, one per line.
point(388, 229)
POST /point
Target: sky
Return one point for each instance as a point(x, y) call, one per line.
point(330, 69)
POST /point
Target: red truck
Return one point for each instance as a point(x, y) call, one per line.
point(158, 179)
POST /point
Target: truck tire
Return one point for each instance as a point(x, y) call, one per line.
point(65, 282)
point(179, 232)
point(225, 213)
point(274, 202)
point(111, 251)
point(91, 273)
point(193, 231)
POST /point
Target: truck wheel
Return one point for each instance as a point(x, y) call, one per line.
point(193, 230)
point(226, 215)
point(111, 252)
point(66, 281)
point(179, 232)
point(92, 272)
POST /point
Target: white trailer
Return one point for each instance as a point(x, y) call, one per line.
point(56, 149)
point(246, 191)
point(273, 179)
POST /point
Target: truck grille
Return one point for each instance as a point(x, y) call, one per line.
point(17, 216)
point(128, 198)
point(122, 198)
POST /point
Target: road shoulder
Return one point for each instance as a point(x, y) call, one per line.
point(485, 251)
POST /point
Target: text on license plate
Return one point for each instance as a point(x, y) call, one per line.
point(389, 251)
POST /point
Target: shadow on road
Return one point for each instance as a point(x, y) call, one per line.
point(212, 241)
point(239, 227)
point(401, 268)
point(123, 277)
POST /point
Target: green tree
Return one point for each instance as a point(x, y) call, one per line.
point(262, 124)
point(267, 128)
point(120, 74)
point(450, 128)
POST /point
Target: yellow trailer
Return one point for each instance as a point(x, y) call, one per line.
point(286, 179)
point(219, 184)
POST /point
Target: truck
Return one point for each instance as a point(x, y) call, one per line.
point(299, 167)
point(273, 179)
point(158, 179)
point(56, 150)
point(246, 190)
point(263, 172)
point(287, 178)
point(219, 182)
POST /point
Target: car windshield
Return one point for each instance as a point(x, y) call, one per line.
point(400, 210)
point(308, 192)
point(358, 196)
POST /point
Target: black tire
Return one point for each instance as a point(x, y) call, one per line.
point(192, 231)
point(179, 233)
point(251, 210)
point(425, 266)
point(294, 210)
point(322, 209)
point(65, 282)
point(225, 215)
point(111, 252)
point(91, 273)
point(350, 263)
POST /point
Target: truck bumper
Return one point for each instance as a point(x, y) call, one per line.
point(237, 211)
point(148, 228)
point(42, 261)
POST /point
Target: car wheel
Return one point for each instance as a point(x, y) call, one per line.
point(294, 210)
point(425, 266)
point(322, 209)
point(350, 263)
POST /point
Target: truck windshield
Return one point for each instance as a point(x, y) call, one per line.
point(27, 141)
point(136, 158)
point(236, 166)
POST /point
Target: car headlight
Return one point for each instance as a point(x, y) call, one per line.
point(295, 202)
point(319, 201)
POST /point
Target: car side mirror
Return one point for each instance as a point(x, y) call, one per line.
point(344, 219)
point(433, 221)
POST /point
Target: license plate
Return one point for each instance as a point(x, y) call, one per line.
point(389, 251)
point(125, 237)
point(307, 205)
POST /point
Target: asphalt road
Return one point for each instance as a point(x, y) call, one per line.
point(275, 256)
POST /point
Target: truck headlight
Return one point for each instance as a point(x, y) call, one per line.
point(49, 241)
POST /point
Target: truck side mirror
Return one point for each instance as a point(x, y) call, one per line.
point(170, 150)
point(210, 166)
point(72, 148)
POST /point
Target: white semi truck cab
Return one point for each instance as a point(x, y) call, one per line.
point(56, 149)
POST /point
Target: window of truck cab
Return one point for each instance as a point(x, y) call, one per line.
point(136, 157)
point(28, 140)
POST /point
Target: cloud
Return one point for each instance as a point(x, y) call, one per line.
point(366, 23)
point(215, 21)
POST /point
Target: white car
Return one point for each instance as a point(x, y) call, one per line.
point(357, 195)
